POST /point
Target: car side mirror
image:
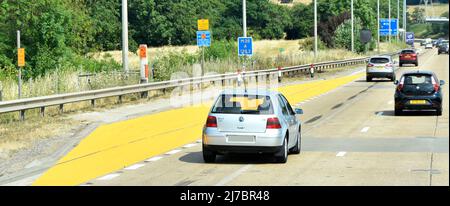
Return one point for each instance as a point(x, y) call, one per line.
point(298, 111)
point(396, 82)
point(442, 82)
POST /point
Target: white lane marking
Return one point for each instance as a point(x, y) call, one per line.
point(153, 159)
point(173, 152)
point(341, 154)
point(109, 177)
point(134, 167)
point(189, 145)
point(365, 129)
point(233, 175)
point(391, 102)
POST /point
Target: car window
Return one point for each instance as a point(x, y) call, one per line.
point(417, 79)
point(379, 60)
point(243, 104)
point(408, 52)
point(284, 109)
point(288, 106)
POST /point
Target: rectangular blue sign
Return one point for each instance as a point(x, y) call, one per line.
point(203, 38)
point(245, 46)
point(410, 38)
point(384, 27)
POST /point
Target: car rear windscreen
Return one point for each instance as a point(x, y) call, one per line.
point(408, 52)
point(417, 79)
point(243, 104)
point(379, 60)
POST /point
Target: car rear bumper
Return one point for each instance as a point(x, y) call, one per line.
point(224, 149)
point(271, 138)
point(408, 61)
point(432, 103)
point(380, 74)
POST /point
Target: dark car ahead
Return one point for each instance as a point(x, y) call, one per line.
point(408, 56)
point(418, 90)
point(443, 48)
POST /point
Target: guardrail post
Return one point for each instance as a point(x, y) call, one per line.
point(93, 102)
point(22, 115)
point(280, 74)
point(61, 108)
point(120, 99)
point(42, 112)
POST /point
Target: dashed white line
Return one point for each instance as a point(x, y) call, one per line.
point(189, 145)
point(134, 167)
point(341, 154)
point(365, 129)
point(153, 159)
point(173, 152)
point(109, 177)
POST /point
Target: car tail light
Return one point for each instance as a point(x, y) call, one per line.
point(435, 85)
point(211, 121)
point(400, 84)
point(273, 123)
point(370, 65)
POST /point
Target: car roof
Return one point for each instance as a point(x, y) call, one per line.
point(380, 57)
point(419, 72)
point(249, 92)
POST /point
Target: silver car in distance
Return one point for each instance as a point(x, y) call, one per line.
point(252, 121)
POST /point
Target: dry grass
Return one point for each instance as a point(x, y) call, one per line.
point(436, 10)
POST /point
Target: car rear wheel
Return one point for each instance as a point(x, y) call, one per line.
point(398, 111)
point(209, 156)
point(296, 148)
point(368, 79)
point(439, 112)
point(282, 155)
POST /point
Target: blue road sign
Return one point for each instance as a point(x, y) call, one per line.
point(245, 46)
point(410, 38)
point(384, 27)
point(203, 38)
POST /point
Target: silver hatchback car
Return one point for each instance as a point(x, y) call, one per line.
point(252, 121)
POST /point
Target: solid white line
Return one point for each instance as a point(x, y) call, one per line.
point(153, 159)
point(365, 129)
point(134, 167)
point(109, 177)
point(189, 145)
point(341, 154)
point(173, 152)
point(232, 176)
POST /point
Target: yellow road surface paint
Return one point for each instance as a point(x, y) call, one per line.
point(118, 145)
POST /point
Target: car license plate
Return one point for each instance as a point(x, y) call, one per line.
point(380, 67)
point(407, 56)
point(241, 138)
point(418, 102)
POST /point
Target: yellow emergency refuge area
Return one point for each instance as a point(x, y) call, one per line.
point(114, 146)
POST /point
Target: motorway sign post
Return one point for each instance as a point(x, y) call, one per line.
point(203, 38)
point(410, 38)
point(384, 27)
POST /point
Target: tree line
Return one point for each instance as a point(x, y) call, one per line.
point(60, 33)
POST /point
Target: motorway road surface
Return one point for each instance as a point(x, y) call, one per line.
point(350, 137)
